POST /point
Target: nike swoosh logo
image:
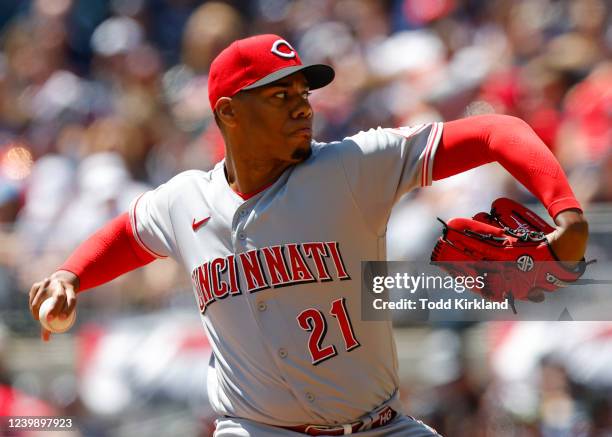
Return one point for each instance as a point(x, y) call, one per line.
point(196, 225)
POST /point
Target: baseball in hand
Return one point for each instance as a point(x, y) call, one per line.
point(56, 325)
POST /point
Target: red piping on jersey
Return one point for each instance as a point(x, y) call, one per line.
point(247, 196)
point(430, 142)
point(135, 231)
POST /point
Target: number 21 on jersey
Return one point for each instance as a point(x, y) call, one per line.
point(313, 321)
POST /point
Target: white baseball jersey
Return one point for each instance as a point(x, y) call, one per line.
point(277, 277)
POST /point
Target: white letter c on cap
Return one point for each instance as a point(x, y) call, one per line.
point(277, 52)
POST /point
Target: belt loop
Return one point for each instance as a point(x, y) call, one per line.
point(366, 421)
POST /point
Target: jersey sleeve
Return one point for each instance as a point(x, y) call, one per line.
point(151, 223)
point(381, 165)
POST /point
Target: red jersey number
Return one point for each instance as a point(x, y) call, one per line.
point(313, 321)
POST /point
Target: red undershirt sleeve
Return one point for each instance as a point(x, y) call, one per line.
point(110, 252)
point(474, 141)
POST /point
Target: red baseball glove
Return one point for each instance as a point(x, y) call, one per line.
point(508, 247)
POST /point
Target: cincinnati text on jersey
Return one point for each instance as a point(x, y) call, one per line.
point(272, 266)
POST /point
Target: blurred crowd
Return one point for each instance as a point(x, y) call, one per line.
point(100, 100)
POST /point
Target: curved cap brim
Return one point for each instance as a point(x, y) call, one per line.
point(317, 75)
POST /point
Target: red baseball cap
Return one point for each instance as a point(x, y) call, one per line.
point(257, 61)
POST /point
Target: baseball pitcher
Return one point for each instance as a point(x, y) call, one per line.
point(274, 235)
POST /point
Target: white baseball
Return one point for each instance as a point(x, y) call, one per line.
point(56, 325)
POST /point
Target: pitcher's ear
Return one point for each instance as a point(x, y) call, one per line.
point(225, 111)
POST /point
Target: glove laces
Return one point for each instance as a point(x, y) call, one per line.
point(525, 235)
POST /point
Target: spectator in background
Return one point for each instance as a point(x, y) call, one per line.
point(100, 99)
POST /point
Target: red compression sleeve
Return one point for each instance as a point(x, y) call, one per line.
point(478, 140)
point(110, 252)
